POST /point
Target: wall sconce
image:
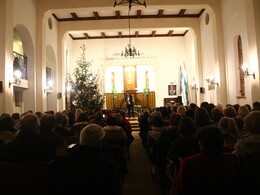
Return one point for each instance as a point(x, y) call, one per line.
point(16, 79)
point(68, 88)
point(48, 87)
point(246, 72)
point(211, 83)
point(194, 86)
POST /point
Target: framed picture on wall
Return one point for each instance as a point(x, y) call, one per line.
point(172, 90)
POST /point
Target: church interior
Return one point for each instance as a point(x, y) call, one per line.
point(123, 97)
point(214, 44)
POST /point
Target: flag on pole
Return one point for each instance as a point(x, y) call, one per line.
point(184, 87)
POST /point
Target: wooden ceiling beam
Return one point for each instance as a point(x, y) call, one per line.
point(118, 14)
point(170, 33)
point(182, 12)
point(137, 35)
point(74, 16)
point(96, 16)
point(86, 35)
point(71, 36)
point(160, 13)
point(201, 12)
point(56, 17)
point(139, 13)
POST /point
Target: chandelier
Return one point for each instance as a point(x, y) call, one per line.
point(130, 3)
point(129, 50)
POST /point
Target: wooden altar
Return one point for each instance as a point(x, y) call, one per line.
point(139, 99)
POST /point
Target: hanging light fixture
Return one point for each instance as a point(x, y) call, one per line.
point(130, 3)
point(129, 50)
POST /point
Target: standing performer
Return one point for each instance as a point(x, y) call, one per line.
point(130, 104)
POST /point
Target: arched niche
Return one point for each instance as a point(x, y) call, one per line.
point(27, 96)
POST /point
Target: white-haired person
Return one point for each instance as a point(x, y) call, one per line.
point(88, 169)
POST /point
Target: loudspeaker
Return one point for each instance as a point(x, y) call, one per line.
point(202, 90)
point(59, 95)
point(179, 99)
point(1, 86)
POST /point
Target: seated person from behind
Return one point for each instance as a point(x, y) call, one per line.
point(99, 119)
point(62, 124)
point(88, 169)
point(28, 146)
point(47, 128)
point(250, 143)
point(7, 129)
point(211, 166)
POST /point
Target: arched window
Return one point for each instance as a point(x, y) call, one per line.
point(240, 61)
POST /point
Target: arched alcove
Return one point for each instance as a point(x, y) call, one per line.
point(27, 96)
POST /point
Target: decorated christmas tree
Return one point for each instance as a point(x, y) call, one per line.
point(85, 92)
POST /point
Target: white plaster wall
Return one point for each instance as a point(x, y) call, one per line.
point(191, 62)
point(165, 55)
point(234, 24)
point(209, 64)
point(52, 44)
point(24, 22)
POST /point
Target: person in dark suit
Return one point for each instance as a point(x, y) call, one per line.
point(130, 104)
point(28, 145)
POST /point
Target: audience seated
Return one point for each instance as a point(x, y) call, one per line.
point(82, 121)
point(206, 106)
point(243, 112)
point(211, 172)
point(144, 126)
point(256, 106)
point(201, 118)
point(28, 145)
point(216, 115)
point(88, 169)
point(113, 131)
point(167, 137)
point(71, 116)
point(99, 119)
point(248, 151)
point(125, 127)
point(157, 126)
point(98, 162)
point(230, 111)
point(186, 145)
point(47, 128)
point(62, 124)
point(181, 110)
point(229, 131)
point(250, 143)
point(7, 129)
point(128, 131)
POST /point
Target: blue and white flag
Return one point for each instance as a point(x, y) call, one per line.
point(184, 87)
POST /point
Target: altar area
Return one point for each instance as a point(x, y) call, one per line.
point(140, 100)
point(138, 80)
